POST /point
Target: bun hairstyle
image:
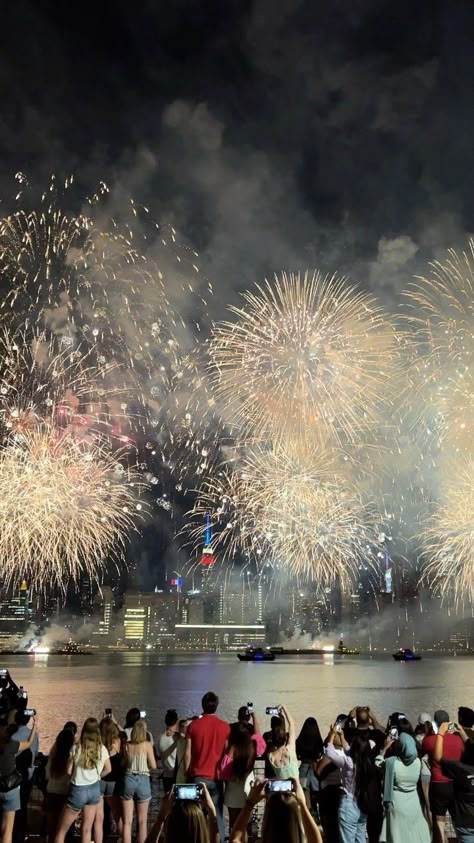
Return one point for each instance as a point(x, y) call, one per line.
point(171, 717)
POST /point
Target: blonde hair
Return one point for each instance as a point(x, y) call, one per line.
point(109, 732)
point(186, 823)
point(139, 732)
point(282, 820)
point(89, 750)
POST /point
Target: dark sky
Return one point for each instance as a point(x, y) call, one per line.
point(273, 133)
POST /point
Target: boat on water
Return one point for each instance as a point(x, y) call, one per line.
point(256, 654)
point(330, 650)
point(406, 655)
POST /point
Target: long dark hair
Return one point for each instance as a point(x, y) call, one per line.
point(244, 753)
point(309, 743)
point(282, 820)
point(364, 767)
point(60, 753)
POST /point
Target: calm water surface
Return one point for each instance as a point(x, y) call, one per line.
point(74, 687)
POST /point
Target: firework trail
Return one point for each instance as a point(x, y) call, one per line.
point(440, 339)
point(44, 381)
point(448, 536)
point(64, 509)
point(291, 504)
point(306, 354)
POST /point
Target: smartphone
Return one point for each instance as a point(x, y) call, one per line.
point(338, 727)
point(3, 671)
point(435, 727)
point(394, 733)
point(143, 715)
point(30, 712)
point(339, 724)
point(452, 727)
point(250, 707)
point(279, 786)
point(108, 712)
point(190, 792)
point(273, 711)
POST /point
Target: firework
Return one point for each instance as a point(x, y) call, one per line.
point(440, 339)
point(449, 535)
point(87, 276)
point(45, 381)
point(292, 504)
point(305, 353)
point(64, 509)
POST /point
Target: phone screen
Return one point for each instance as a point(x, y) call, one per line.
point(191, 792)
point(143, 715)
point(273, 711)
point(279, 786)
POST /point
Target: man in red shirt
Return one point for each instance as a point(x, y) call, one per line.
point(206, 740)
point(441, 788)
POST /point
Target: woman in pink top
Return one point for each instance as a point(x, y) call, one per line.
point(237, 767)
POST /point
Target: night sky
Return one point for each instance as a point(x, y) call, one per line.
point(273, 134)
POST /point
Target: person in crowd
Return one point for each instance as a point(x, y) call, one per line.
point(309, 749)
point(423, 728)
point(206, 739)
point(363, 721)
point(236, 769)
point(58, 780)
point(10, 779)
point(286, 818)
point(403, 819)
point(25, 764)
point(89, 761)
point(276, 723)
point(72, 727)
point(357, 771)
point(140, 760)
point(110, 783)
point(180, 750)
point(466, 720)
point(329, 777)
point(441, 792)
point(186, 821)
point(282, 750)
point(167, 749)
point(461, 774)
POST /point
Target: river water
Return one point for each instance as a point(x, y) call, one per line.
point(74, 687)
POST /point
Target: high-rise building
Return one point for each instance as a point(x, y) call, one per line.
point(15, 615)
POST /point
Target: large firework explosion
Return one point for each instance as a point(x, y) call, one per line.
point(447, 538)
point(64, 509)
point(45, 381)
point(306, 354)
point(440, 335)
point(292, 504)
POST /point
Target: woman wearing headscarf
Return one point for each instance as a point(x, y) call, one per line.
point(403, 815)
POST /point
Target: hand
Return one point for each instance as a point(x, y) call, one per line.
point(388, 743)
point(206, 800)
point(443, 729)
point(352, 713)
point(257, 792)
point(299, 792)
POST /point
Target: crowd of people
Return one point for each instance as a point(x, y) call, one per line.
point(363, 781)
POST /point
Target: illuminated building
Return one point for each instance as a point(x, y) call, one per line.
point(15, 615)
point(219, 636)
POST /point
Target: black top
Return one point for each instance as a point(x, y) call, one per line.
point(374, 735)
point(463, 781)
point(117, 770)
point(8, 758)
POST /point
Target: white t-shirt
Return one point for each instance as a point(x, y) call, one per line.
point(168, 759)
point(80, 776)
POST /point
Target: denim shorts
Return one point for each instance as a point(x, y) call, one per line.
point(81, 795)
point(308, 780)
point(136, 786)
point(10, 800)
point(107, 788)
